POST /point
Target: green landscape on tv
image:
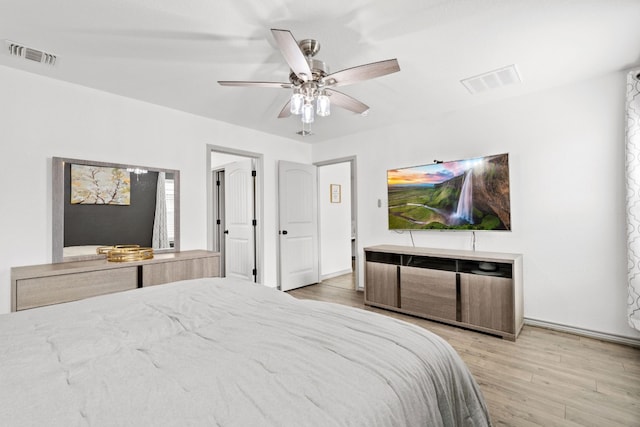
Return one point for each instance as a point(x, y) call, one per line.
point(470, 194)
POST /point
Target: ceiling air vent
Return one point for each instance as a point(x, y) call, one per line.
point(31, 54)
point(492, 80)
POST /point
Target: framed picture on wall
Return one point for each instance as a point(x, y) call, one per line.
point(335, 191)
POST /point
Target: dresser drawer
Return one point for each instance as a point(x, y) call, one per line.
point(196, 268)
point(39, 291)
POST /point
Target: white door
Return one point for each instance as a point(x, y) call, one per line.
point(239, 238)
point(298, 216)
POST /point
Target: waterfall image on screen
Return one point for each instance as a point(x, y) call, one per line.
point(470, 194)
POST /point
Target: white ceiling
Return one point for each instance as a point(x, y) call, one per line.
point(172, 53)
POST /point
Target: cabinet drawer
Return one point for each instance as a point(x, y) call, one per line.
point(196, 268)
point(428, 292)
point(40, 291)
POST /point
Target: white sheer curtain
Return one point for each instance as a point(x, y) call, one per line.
point(633, 196)
point(160, 236)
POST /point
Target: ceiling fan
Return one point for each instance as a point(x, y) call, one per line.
point(312, 83)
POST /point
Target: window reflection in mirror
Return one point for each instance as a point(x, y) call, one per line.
point(102, 204)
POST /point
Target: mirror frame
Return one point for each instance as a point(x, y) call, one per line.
point(57, 243)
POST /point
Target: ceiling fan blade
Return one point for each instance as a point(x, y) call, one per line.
point(362, 72)
point(292, 53)
point(286, 110)
point(342, 100)
point(254, 84)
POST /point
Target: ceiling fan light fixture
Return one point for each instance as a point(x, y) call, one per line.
point(307, 113)
point(323, 105)
point(312, 83)
point(297, 101)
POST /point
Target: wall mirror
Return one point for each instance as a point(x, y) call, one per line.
point(103, 204)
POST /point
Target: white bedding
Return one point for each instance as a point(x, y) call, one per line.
point(224, 352)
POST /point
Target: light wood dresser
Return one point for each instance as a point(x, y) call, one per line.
point(46, 284)
point(475, 290)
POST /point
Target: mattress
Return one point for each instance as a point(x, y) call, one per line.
point(225, 352)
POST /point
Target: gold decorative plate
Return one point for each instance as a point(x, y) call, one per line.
point(129, 254)
point(125, 253)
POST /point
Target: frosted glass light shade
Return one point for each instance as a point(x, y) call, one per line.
point(323, 106)
point(297, 101)
point(307, 113)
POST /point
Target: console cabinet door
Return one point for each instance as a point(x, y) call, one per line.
point(487, 301)
point(428, 292)
point(381, 284)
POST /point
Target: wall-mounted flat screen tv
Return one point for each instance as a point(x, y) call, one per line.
point(470, 194)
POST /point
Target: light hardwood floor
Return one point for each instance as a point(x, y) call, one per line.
point(545, 378)
point(346, 281)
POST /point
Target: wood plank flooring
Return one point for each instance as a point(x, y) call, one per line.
point(545, 378)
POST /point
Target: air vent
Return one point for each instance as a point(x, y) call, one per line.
point(31, 54)
point(492, 80)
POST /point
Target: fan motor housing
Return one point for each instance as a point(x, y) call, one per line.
point(319, 70)
point(309, 47)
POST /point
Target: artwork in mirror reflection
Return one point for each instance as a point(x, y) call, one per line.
point(109, 204)
point(97, 185)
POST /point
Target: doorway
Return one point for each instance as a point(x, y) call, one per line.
point(235, 211)
point(338, 222)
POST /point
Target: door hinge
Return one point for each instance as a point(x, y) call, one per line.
point(255, 272)
point(254, 222)
point(218, 183)
point(218, 222)
point(253, 173)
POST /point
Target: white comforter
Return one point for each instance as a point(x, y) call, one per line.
point(221, 352)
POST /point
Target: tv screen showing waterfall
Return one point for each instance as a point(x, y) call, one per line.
point(470, 194)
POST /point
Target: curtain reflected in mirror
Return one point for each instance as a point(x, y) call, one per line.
point(104, 204)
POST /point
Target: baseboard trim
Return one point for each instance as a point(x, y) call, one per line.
point(619, 339)
point(335, 274)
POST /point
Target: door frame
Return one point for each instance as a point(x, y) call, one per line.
point(259, 198)
point(353, 161)
point(218, 206)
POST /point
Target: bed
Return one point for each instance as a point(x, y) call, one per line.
point(225, 352)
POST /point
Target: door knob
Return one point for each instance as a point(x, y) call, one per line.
point(285, 232)
point(226, 231)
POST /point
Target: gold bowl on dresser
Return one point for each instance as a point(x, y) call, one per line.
point(125, 253)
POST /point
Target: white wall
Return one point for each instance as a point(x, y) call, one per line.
point(567, 179)
point(42, 118)
point(566, 149)
point(335, 220)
